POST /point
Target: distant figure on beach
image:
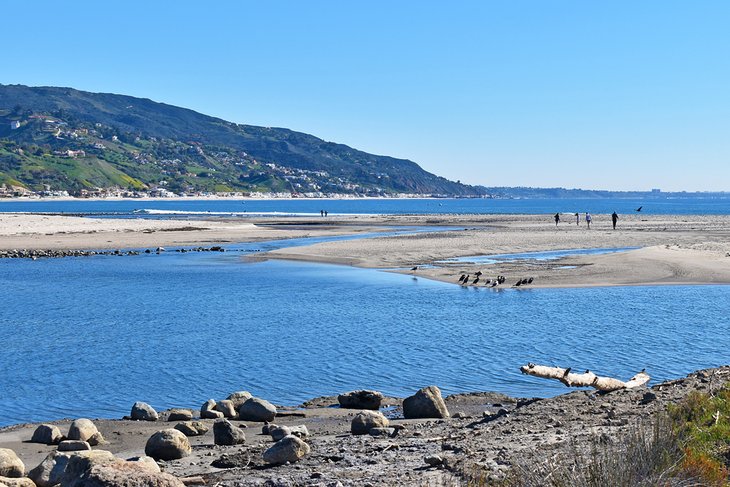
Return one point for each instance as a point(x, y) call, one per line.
point(557, 219)
point(325, 212)
point(614, 219)
point(321, 212)
point(577, 218)
point(588, 220)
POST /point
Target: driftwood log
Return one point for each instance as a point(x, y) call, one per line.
point(586, 379)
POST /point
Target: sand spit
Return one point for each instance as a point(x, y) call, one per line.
point(486, 435)
point(670, 249)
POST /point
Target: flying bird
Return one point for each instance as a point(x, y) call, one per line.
point(639, 208)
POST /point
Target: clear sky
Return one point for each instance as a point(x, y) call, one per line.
point(624, 95)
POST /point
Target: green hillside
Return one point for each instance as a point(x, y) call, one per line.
point(74, 140)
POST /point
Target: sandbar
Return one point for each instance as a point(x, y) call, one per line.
point(666, 249)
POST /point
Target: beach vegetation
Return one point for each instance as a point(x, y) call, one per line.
point(686, 445)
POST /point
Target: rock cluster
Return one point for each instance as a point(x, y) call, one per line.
point(49, 253)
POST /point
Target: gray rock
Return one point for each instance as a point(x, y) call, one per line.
point(97, 439)
point(127, 474)
point(10, 464)
point(225, 433)
point(147, 463)
point(433, 460)
point(73, 445)
point(180, 415)
point(361, 400)
point(279, 432)
point(239, 397)
point(227, 408)
point(267, 427)
point(168, 444)
point(364, 421)
point(382, 432)
point(256, 409)
point(81, 429)
point(192, 428)
point(300, 431)
point(59, 466)
point(48, 434)
point(288, 449)
point(141, 411)
point(426, 403)
point(16, 482)
point(207, 410)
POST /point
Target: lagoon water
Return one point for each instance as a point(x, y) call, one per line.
point(90, 336)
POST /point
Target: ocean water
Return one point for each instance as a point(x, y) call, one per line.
point(90, 336)
point(181, 207)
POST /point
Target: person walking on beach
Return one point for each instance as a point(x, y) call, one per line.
point(588, 220)
point(557, 219)
point(577, 218)
point(614, 219)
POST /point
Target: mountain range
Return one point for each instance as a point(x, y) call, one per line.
point(54, 139)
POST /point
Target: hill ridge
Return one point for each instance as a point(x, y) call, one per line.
point(73, 140)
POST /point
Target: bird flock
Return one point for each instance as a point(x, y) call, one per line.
point(467, 280)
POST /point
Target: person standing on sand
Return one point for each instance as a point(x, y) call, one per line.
point(577, 219)
point(614, 219)
point(588, 220)
point(557, 219)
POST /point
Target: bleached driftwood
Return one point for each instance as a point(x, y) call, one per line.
point(586, 379)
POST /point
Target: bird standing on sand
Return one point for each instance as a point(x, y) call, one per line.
point(414, 268)
point(476, 280)
point(463, 276)
point(466, 279)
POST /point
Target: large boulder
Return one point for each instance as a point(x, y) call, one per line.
point(226, 407)
point(168, 444)
point(147, 463)
point(207, 410)
point(364, 421)
point(180, 415)
point(192, 428)
point(360, 400)
point(58, 466)
point(81, 429)
point(239, 397)
point(288, 449)
point(142, 411)
point(10, 464)
point(48, 434)
point(126, 474)
point(256, 409)
point(16, 482)
point(426, 403)
point(225, 433)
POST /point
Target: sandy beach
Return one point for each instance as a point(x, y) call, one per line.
point(665, 249)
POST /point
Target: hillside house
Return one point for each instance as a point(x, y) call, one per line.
point(14, 124)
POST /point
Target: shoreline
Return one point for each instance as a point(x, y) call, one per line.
point(484, 435)
point(670, 249)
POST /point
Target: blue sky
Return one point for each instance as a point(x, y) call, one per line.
point(607, 95)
